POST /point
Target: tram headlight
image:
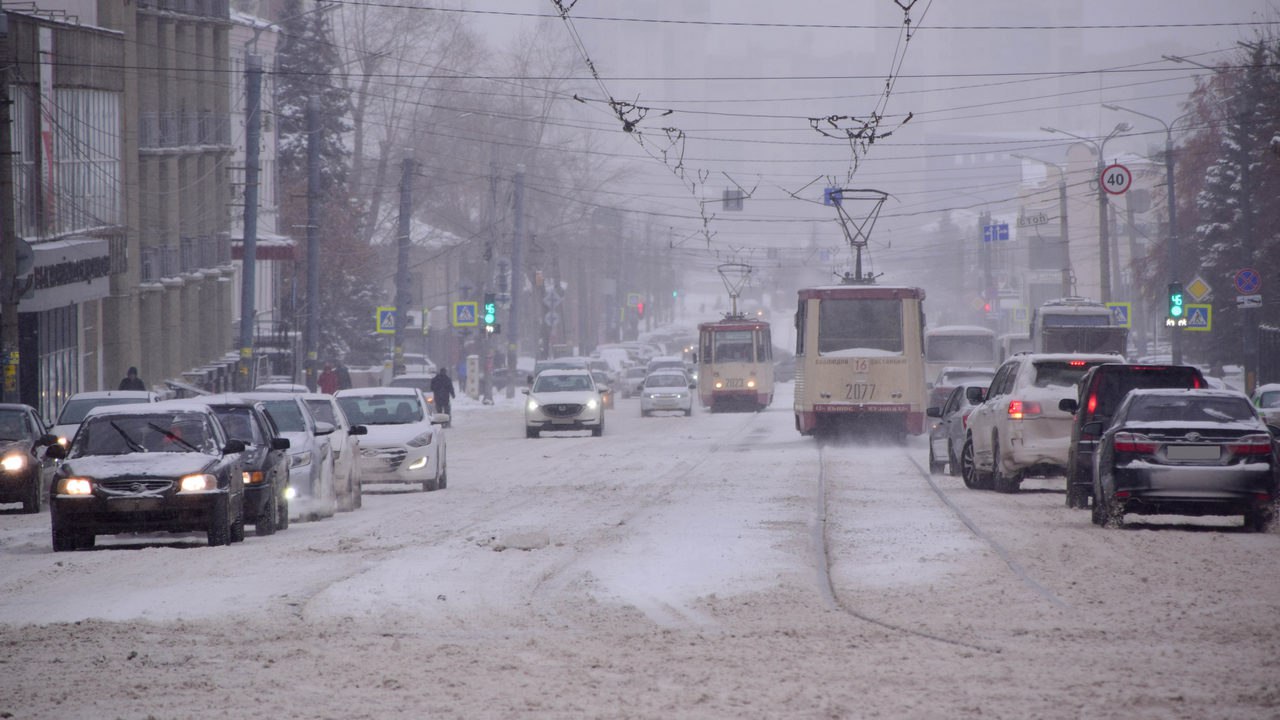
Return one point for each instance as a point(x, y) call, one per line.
point(751, 383)
point(719, 384)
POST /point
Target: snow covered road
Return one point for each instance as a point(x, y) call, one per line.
point(713, 566)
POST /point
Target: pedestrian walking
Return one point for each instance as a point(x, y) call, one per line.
point(131, 381)
point(442, 390)
point(344, 376)
point(327, 381)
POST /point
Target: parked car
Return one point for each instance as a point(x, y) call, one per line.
point(605, 384)
point(344, 443)
point(633, 381)
point(282, 387)
point(667, 390)
point(563, 400)
point(1267, 399)
point(77, 406)
point(1186, 452)
point(265, 460)
point(405, 443)
point(1019, 430)
point(164, 467)
point(311, 487)
point(25, 471)
point(946, 436)
point(950, 377)
point(1102, 389)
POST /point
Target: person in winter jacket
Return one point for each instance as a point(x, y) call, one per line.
point(131, 381)
point(327, 381)
point(442, 390)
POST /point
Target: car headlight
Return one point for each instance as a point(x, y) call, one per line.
point(199, 482)
point(75, 486)
point(592, 404)
point(531, 405)
point(253, 477)
point(14, 462)
point(63, 441)
point(422, 440)
point(299, 459)
point(418, 464)
point(290, 493)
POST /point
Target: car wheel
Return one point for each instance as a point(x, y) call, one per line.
point(974, 479)
point(32, 502)
point(1260, 520)
point(531, 432)
point(934, 465)
point(644, 413)
point(688, 412)
point(63, 540)
point(598, 430)
point(1097, 513)
point(357, 490)
point(236, 533)
point(953, 462)
point(282, 520)
point(1001, 481)
point(1077, 491)
point(219, 532)
point(265, 523)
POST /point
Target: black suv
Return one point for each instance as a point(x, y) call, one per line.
point(1101, 391)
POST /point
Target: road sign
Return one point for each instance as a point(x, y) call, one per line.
point(466, 313)
point(995, 233)
point(385, 319)
point(1248, 301)
point(832, 196)
point(1198, 288)
point(1247, 281)
point(1116, 179)
point(552, 318)
point(634, 299)
point(1199, 318)
point(551, 299)
point(1121, 314)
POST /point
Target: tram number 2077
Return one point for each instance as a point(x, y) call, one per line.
point(859, 391)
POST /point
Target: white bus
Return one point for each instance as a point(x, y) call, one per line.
point(958, 346)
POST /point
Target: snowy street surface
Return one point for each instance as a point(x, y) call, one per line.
point(718, 566)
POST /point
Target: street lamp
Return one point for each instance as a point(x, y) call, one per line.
point(1062, 219)
point(1104, 241)
point(1174, 256)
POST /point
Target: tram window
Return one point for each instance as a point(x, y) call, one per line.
point(733, 346)
point(845, 324)
point(801, 315)
point(764, 353)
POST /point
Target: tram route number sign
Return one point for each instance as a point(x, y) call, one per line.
point(1116, 179)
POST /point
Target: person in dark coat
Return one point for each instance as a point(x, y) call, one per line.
point(344, 376)
point(131, 381)
point(442, 390)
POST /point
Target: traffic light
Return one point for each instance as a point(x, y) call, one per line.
point(490, 312)
point(640, 309)
point(1177, 310)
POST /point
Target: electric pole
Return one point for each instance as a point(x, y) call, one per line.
point(402, 266)
point(517, 280)
point(9, 290)
point(311, 338)
point(248, 279)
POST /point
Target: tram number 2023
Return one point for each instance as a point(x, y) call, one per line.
point(859, 391)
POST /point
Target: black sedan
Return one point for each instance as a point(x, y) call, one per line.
point(1186, 452)
point(148, 468)
point(265, 460)
point(24, 469)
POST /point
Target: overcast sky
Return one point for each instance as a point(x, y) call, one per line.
point(744, 77)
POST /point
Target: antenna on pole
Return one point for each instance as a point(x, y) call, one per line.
point(857, 232)
point(735, 276)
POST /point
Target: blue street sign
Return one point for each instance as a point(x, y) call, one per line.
point(385, 319)
point(993, 233)
point(1120, 314)
point(466, 314)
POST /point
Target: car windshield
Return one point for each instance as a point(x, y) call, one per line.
point(158, 432)
point(322, 410)
point(1189, 408)
point(13, 425)
point(956, 378)
point(666, 380)
point(287, 415)
point(1269, 399)
point(1060, 373)
point(562, 383)
point(382, 409)
point(239, 425)
point(75, 410)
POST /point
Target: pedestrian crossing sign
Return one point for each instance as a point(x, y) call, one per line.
point(466, 313)
point(385, 320)
point(1121, 314)
point(1199, 318)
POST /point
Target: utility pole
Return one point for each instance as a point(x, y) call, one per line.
point(8, 228)
point(988, 283)
point(402, 266)
point(311, 339)
point(248, 279)
point(517, 280)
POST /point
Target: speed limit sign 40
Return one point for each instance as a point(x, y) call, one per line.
point(1116, 179)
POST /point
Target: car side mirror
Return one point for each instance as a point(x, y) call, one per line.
point(56, 451)
point(975, 395)
point(604, 390)
point(1094, 428)
point(47, 439)
point(233, 446)
point(324, 428)
point(358, 430)
point(934, 412)
point(1068, 405)
point(440, 419)
point(279, 443)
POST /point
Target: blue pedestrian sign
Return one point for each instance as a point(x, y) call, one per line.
point(995, 233)
point(385, 319)
point(1121, 314)
point(832, 196)
point(1199, 318)
point(466, 313)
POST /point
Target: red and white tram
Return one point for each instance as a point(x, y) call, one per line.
point(735, 364)
point(860, 359)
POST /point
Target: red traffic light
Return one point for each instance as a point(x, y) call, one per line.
point(640, 309)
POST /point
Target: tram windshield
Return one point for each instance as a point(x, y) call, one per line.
point(961, 349)
point(860, 323)
point(733, 346)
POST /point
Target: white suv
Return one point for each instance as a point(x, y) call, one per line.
point(1020, 430)
point(563, 400)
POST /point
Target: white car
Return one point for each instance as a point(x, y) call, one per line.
point(563, 400)
point(404, 443)
point(666, 390)
point(311, 488)
point(1266, 398)
point(633, 381)
point(79, 405)
point(345, 445)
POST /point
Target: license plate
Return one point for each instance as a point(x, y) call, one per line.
point(1192, 452)
point(133, 504)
